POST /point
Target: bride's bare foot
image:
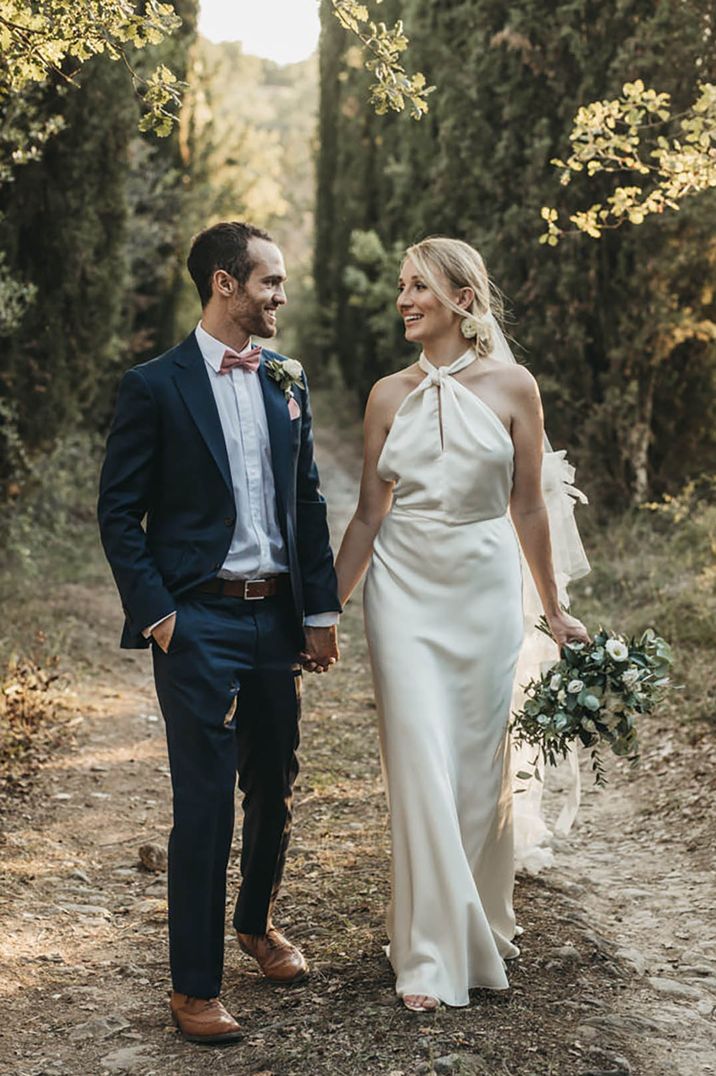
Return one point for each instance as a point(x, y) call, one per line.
point(420, 1002)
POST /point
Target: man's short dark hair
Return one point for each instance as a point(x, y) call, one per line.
point(223, 246)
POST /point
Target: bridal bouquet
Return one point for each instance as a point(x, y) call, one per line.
point(593, 695)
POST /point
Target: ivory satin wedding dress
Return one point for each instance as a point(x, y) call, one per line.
point(444, 621)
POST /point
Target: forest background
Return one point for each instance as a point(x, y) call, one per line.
point(96, 216)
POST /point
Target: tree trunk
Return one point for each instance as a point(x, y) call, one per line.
point(638, 441)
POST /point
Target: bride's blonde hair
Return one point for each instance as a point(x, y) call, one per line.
point(439, 258)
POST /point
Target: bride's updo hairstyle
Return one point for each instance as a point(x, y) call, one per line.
point(439, 258)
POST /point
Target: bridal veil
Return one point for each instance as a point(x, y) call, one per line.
point(532, 831)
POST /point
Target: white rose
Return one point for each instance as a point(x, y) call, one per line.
point(617, 650)
point(555, 682)
point(630, 677)
point(469, 327)
point(575, 686)
point(561, 695)
point(293, 368)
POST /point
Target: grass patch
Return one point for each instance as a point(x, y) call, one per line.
point(51, 550)
point(658, 568)
point(50, 539)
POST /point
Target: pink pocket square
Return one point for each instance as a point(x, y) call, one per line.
point(294, 410)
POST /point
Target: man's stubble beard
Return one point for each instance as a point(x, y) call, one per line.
point(252, 320)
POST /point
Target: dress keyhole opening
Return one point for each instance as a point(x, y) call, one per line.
point(440, 416)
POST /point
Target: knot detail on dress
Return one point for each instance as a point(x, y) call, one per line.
point(438, 375)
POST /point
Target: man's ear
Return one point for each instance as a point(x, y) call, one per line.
point(224, 283)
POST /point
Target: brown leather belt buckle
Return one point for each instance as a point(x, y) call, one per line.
point(256, 589)
point(251, 590)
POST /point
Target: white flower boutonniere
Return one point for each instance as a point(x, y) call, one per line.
point(286, 374)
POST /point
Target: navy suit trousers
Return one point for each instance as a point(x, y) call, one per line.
point(229, 689)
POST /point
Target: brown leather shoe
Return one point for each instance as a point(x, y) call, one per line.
point(203, 1020)
point(280, 961)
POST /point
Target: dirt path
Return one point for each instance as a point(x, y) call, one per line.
point(637, 875)
point(618, 972)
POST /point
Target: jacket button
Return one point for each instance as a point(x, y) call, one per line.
point(229, 521)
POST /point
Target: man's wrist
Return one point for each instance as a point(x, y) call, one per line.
point(321, 620)
point(147, 632)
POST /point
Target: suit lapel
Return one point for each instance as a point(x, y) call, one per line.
point(192, 380)
point(279, 427)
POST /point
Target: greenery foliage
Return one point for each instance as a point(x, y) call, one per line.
point(393, 89)
point(656, 565)
point(626, 135)
point(85, 284)
point(64, 229)
point(620, 333)
point(54, 38)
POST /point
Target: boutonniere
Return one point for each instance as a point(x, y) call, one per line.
point(286, 374)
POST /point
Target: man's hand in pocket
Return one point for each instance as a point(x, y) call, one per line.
point(163, 632)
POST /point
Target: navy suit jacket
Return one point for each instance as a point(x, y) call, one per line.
point(166, 507)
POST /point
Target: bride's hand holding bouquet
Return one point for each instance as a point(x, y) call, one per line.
point(565, 629)
point(593, 695)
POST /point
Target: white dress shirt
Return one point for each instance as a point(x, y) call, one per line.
point(257, 547)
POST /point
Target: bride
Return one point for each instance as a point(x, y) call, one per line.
point(451, 443)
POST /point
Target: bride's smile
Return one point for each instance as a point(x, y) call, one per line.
point(426, 319)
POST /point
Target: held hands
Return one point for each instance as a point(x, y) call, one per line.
point(567, 629)
point(321, 649)
point(164, 631)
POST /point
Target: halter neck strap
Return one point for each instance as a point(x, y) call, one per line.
point(436, 373)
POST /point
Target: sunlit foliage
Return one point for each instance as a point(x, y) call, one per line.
point(670, 157)
point(56, 37)
point(393, 89)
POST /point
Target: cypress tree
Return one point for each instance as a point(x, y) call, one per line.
point(64, 229)
point(94, 225)
point(158, 184)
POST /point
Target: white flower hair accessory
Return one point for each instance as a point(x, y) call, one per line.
point(469, 327)
point(286, 374)
point(473, 328)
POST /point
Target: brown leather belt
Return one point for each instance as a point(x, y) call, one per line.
point(248, 589)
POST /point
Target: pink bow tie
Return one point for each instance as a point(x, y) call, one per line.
point(248, 359)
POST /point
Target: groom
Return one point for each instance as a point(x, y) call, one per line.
point(216, 533)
